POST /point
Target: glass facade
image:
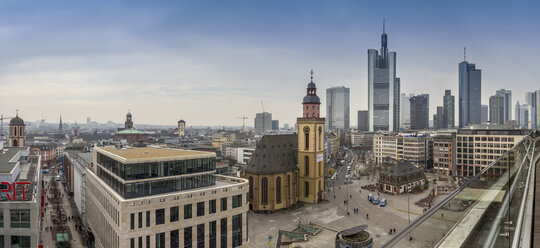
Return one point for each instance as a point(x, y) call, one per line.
point(20, 218)
point(181, 170)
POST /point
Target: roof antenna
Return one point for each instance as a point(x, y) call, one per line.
point(383, 25)
point(311, 72)
point(464, 54)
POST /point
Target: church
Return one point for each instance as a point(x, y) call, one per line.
point(286, 169)
point(130, 134)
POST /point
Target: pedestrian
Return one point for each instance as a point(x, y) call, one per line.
point(390, 231)
point(334, 196)
point(367, 216)
point(350, 196)
point(442, 215)
point(394, 230)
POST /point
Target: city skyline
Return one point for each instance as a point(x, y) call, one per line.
point(172, 61)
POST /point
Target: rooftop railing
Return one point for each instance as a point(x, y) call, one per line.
point(491, 209)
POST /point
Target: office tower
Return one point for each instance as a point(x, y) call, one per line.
point(405, 111)
point(533, 100)
point(440, 118)
point(496, 109)
point(507, 94)
point(263, 123)
point(420, 112)
point(163, 196)
point(275, 125)
point(383, 88)
point(484, 114)
point(337, 108)
point(363, 120)
point(522, 115)
point(470, 94)
point(449, 106)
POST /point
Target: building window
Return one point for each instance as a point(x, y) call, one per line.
point(174, 214)
point(174, 239)
point(160, 240)
point(223, 204)
point(212, 233)
point(224, 233)
point(321, 173)
point(264, 189)
point(188, 238)
point(212, 206)
point(1, 221)
point(132, 242)
point(187, 211)
point(140, 220)
point(147, 218)
point(236, 201)
point(20, 241)
point(320, 137)
point(148, 241)
point(200, 209)
point(278, 190)
point(306, 185)
point(20, 218)
point(140, 242)
point(251, 188)
point(132, 221)
point(306, 137)
point(237, 230)
point(200, 236)
point(306, 165)
point(160, 216)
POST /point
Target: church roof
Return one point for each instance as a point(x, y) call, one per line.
point(131, 131)
point(16, 121)
point(274, 154)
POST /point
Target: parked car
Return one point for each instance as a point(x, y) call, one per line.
point(57, 178)
point(370, 197)
point(375, 200)
point(383, 202)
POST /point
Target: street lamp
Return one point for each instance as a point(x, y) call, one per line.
point(409, 207)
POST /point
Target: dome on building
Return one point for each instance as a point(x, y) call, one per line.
point(128, 113)
point(16, 121)
point(311, 85)
point(181, 121)
point(311, 99)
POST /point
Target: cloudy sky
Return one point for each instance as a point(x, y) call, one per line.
point(210, 62)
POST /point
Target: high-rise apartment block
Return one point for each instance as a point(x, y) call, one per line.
point(470, 94)
point(363, 120)
point(337, 108)
point(383, 89)
point(420, 112)
point(163, 197)
point(263, 123)
point(497, 109)
point(449, 109)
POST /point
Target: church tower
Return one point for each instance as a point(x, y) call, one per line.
point(17, 132)
point(129, 122)
point(311, 148)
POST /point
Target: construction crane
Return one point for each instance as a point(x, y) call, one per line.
point(262, 104)
point(2, 118)
point(244, 118)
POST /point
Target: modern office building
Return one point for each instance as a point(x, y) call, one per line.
point(389, 148)
point(522, 115)
point(20, 211)
point(383, 88)
point(507, 95)
point(405, 111)
point(163, 197)
point(449, 109)
point(497, 109)
point(362, 140)
point(479, 146)
point(263, 123)
point(363, 120)
point(438, 120)
point(337, 108)
point(470, 94)
point(275, 125)
point(420, 112)
point(484, 118)
point(533, 100)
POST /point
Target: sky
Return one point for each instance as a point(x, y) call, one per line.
point(211, 62)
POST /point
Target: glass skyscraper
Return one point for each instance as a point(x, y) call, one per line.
point(449, 107)
point(337, 108)
point(497, 109)
point(420, 112)
point(383, 88)
point(470, 94)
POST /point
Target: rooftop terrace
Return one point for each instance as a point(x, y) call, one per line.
point(134, 154)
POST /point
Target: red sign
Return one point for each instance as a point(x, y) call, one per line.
point(12, 187)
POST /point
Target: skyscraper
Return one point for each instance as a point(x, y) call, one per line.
point(439, 124)
point(496, 109)
point(383, 88)
point(507, 94)
point(484, 114)
point(337, 108)
point(449, 109)
point(420, 112)
point(522, 115)
point(405, 111)
point(275, 125)
point(363, 120)
point(263, 123)
point(533, 100)
point(470, 94)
